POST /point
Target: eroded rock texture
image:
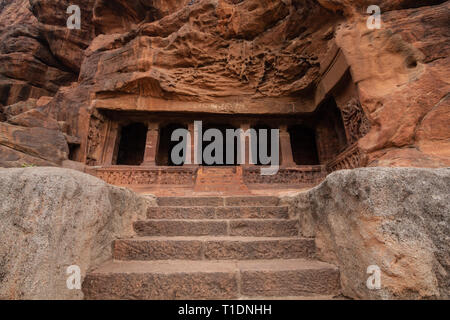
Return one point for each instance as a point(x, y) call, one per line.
point(28, 66)
point(395, 218)
point(402, 74)
point(231, 56)
point(212, 50)
point(53, 218)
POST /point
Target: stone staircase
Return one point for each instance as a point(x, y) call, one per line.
point(237, 247)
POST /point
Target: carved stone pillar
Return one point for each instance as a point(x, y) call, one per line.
point(151, 144)
point(111, 144)
point(191, 133)
point(286, 157)
point(247, 141)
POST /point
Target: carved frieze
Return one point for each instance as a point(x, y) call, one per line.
point(353, 157)
point(309, 175)
point(138, 176)
point(355, 120)
point(187, 176)
point(96, 135)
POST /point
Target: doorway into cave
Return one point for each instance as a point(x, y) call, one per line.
point(260, 142)
point(220, 159)
point(304, 148)
point(132, 144)
point(331, 138)
point(163, 157)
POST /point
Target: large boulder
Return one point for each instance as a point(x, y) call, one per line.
point(396, 219)
point(52, 218)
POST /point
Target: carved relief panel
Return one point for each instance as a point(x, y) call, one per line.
point(353, 157)
point(96, 138)
point(355, 120)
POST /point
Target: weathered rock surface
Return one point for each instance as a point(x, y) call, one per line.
point(30, 136)
point(352, 7)
point(228, 56)
point(213, 52)
point(402, 74)
point(66, 45)
point(39, 142)
point(397, 219)
point(28, 67)
point(52, 218)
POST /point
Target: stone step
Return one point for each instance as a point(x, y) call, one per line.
point(220, 170)
point(210, 248)
point(221, 279)
point(218, 213)
point(249, 201)
point(216, 227)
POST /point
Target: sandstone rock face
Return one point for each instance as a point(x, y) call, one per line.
point(67, 47)
point(38, 142)
point(28, 67)
point(352, 7)
point(231, 56)
point(30, 72)
point(402, 74)
point(206, 52)
point(53, 218)
point(30, 137)
point(397, 219)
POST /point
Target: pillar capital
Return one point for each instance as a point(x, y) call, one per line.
point(283, 128)
point(152, 126)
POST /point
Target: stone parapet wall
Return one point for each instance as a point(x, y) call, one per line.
point(146, 176)
point(187, 175)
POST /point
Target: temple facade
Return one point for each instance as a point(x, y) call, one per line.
point(133, 146)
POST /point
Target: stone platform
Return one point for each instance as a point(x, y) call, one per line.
point(198, 180)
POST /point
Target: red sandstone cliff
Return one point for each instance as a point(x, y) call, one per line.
point(226, 56)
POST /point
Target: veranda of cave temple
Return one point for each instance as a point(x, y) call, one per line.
point(132, 148)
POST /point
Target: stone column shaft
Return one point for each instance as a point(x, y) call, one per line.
point(244, 128)
point(191, 133)
point(286, 156)
point(151, 144)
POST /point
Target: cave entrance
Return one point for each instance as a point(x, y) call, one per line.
point(74, 150)
point(330, 131)
point(304, 148)
point(132, 144)
point(220, 159)
point(166, 145)
point(259, 128)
